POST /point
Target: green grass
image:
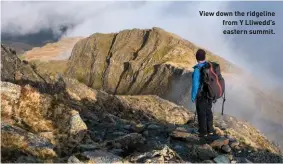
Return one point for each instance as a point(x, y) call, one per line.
point(50, 67)
point(21, 57)
point(159, 55)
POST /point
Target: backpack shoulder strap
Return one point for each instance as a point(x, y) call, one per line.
point(224, 99)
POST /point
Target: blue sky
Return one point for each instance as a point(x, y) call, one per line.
point(259, 54)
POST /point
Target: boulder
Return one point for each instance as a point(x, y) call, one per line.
point(162, 155)
point(204, 152)
point(51, 120)
point(185, 136)
point(180, 134)
point(16, 139)
point(234, 144)
point(73, 159)
point(98, 156)
point(88, 147)
point(10, 94)
point(222, 159)
point(129, 140)
point(78, 128)
point(219, 142)
point(153, 127)
point(218, 131)
point(147, 108)
point(231, 138)
point(226, 148)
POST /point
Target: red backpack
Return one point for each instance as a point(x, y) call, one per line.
point(212, 82)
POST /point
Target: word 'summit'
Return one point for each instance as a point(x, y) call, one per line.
point(253, 32)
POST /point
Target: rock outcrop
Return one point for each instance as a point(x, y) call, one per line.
point(135, 62)
point(30, 116)
point(13, 69)
point(80, 124)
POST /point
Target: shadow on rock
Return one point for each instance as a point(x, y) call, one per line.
point(79, 124)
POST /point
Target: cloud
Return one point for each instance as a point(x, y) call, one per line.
point(21, 18)
point(182, 18)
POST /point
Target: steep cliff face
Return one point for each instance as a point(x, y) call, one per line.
point(133, 61)
point(13, 69)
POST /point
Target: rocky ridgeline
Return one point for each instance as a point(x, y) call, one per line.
point(136, 62)
point(87, 126)
point(59, 119)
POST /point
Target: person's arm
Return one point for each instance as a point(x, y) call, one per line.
point(195, 84)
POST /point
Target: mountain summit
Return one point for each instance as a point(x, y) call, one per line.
point(135, 61)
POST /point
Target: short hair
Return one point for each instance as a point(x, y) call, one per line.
point(200, 55)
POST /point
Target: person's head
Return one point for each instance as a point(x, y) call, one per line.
point(200, 55)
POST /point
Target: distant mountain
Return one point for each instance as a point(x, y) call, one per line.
point(22, 43)
point(36, 39)
point(19, 47)
point(60, 50)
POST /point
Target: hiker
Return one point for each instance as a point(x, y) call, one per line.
point(203, 95)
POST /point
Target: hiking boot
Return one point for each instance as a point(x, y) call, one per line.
point(212, 137)
point(213, 132)
point(208, 138)
point(203, 138)
point(202, 135)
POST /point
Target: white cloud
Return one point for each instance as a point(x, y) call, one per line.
point(181, 18)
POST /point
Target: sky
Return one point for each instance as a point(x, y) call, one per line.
point(258, 54)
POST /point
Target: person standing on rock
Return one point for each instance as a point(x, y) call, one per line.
point(200, 98)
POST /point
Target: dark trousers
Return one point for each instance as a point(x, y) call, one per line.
point(205, 116)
